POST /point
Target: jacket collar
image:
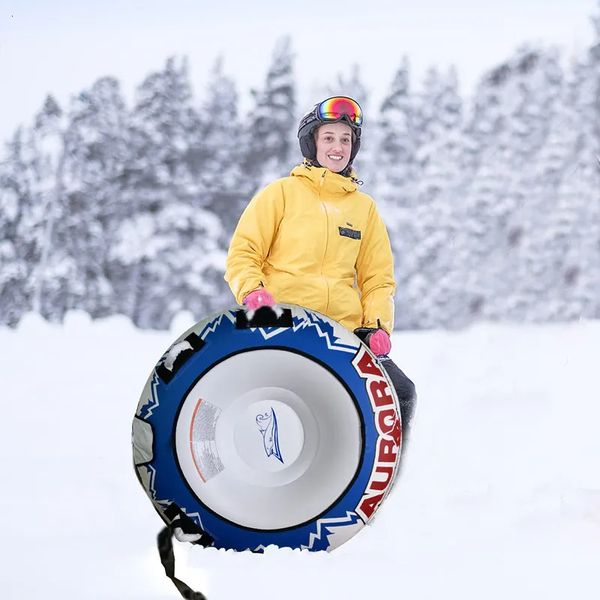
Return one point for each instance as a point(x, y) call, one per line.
point(324, 180)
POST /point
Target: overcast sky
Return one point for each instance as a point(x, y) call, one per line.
point(63, 46)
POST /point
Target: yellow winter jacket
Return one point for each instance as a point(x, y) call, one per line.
point(312, 239)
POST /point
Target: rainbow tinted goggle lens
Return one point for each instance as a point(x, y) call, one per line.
point(338, 107)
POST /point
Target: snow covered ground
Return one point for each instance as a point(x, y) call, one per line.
point(499, 497)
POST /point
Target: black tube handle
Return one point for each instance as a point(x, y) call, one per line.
point(263, 317)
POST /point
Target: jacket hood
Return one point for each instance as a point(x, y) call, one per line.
point(326, 180)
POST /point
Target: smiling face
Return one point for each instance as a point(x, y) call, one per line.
point(334, 144)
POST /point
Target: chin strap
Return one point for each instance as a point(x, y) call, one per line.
point(311, 162)
point(185, 530)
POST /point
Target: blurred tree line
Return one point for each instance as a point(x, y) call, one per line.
point(492, 205)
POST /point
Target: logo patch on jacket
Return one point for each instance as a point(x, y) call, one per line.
point(351, 233)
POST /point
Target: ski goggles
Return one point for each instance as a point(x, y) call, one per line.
point(338, 108)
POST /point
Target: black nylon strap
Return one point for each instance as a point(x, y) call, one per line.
point(167, 558)
point(165, 547)
point(363, 333)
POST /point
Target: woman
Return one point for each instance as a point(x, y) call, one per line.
point(314, 240)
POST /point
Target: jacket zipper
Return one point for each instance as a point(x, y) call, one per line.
point(326, 242)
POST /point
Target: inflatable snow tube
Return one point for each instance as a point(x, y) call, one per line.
point(283, 430)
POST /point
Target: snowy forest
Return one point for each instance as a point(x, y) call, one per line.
point(492, 203)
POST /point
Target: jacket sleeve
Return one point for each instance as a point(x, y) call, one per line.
point(252, 241)
point(375, 274)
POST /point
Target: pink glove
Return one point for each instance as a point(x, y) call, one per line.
point(260, 297)
point(380, 343)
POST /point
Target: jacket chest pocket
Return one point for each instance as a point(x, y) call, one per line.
point(347, 244)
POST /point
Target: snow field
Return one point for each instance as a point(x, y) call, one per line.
point(499, 495)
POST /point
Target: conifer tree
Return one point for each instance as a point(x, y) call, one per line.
point(219, 152)
point(164, 252)
point(51, 266)
point(91, 193)
point(433, 288)
point(272, 120)
point(31, 178)
point(16, 196)
point(395, 182)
